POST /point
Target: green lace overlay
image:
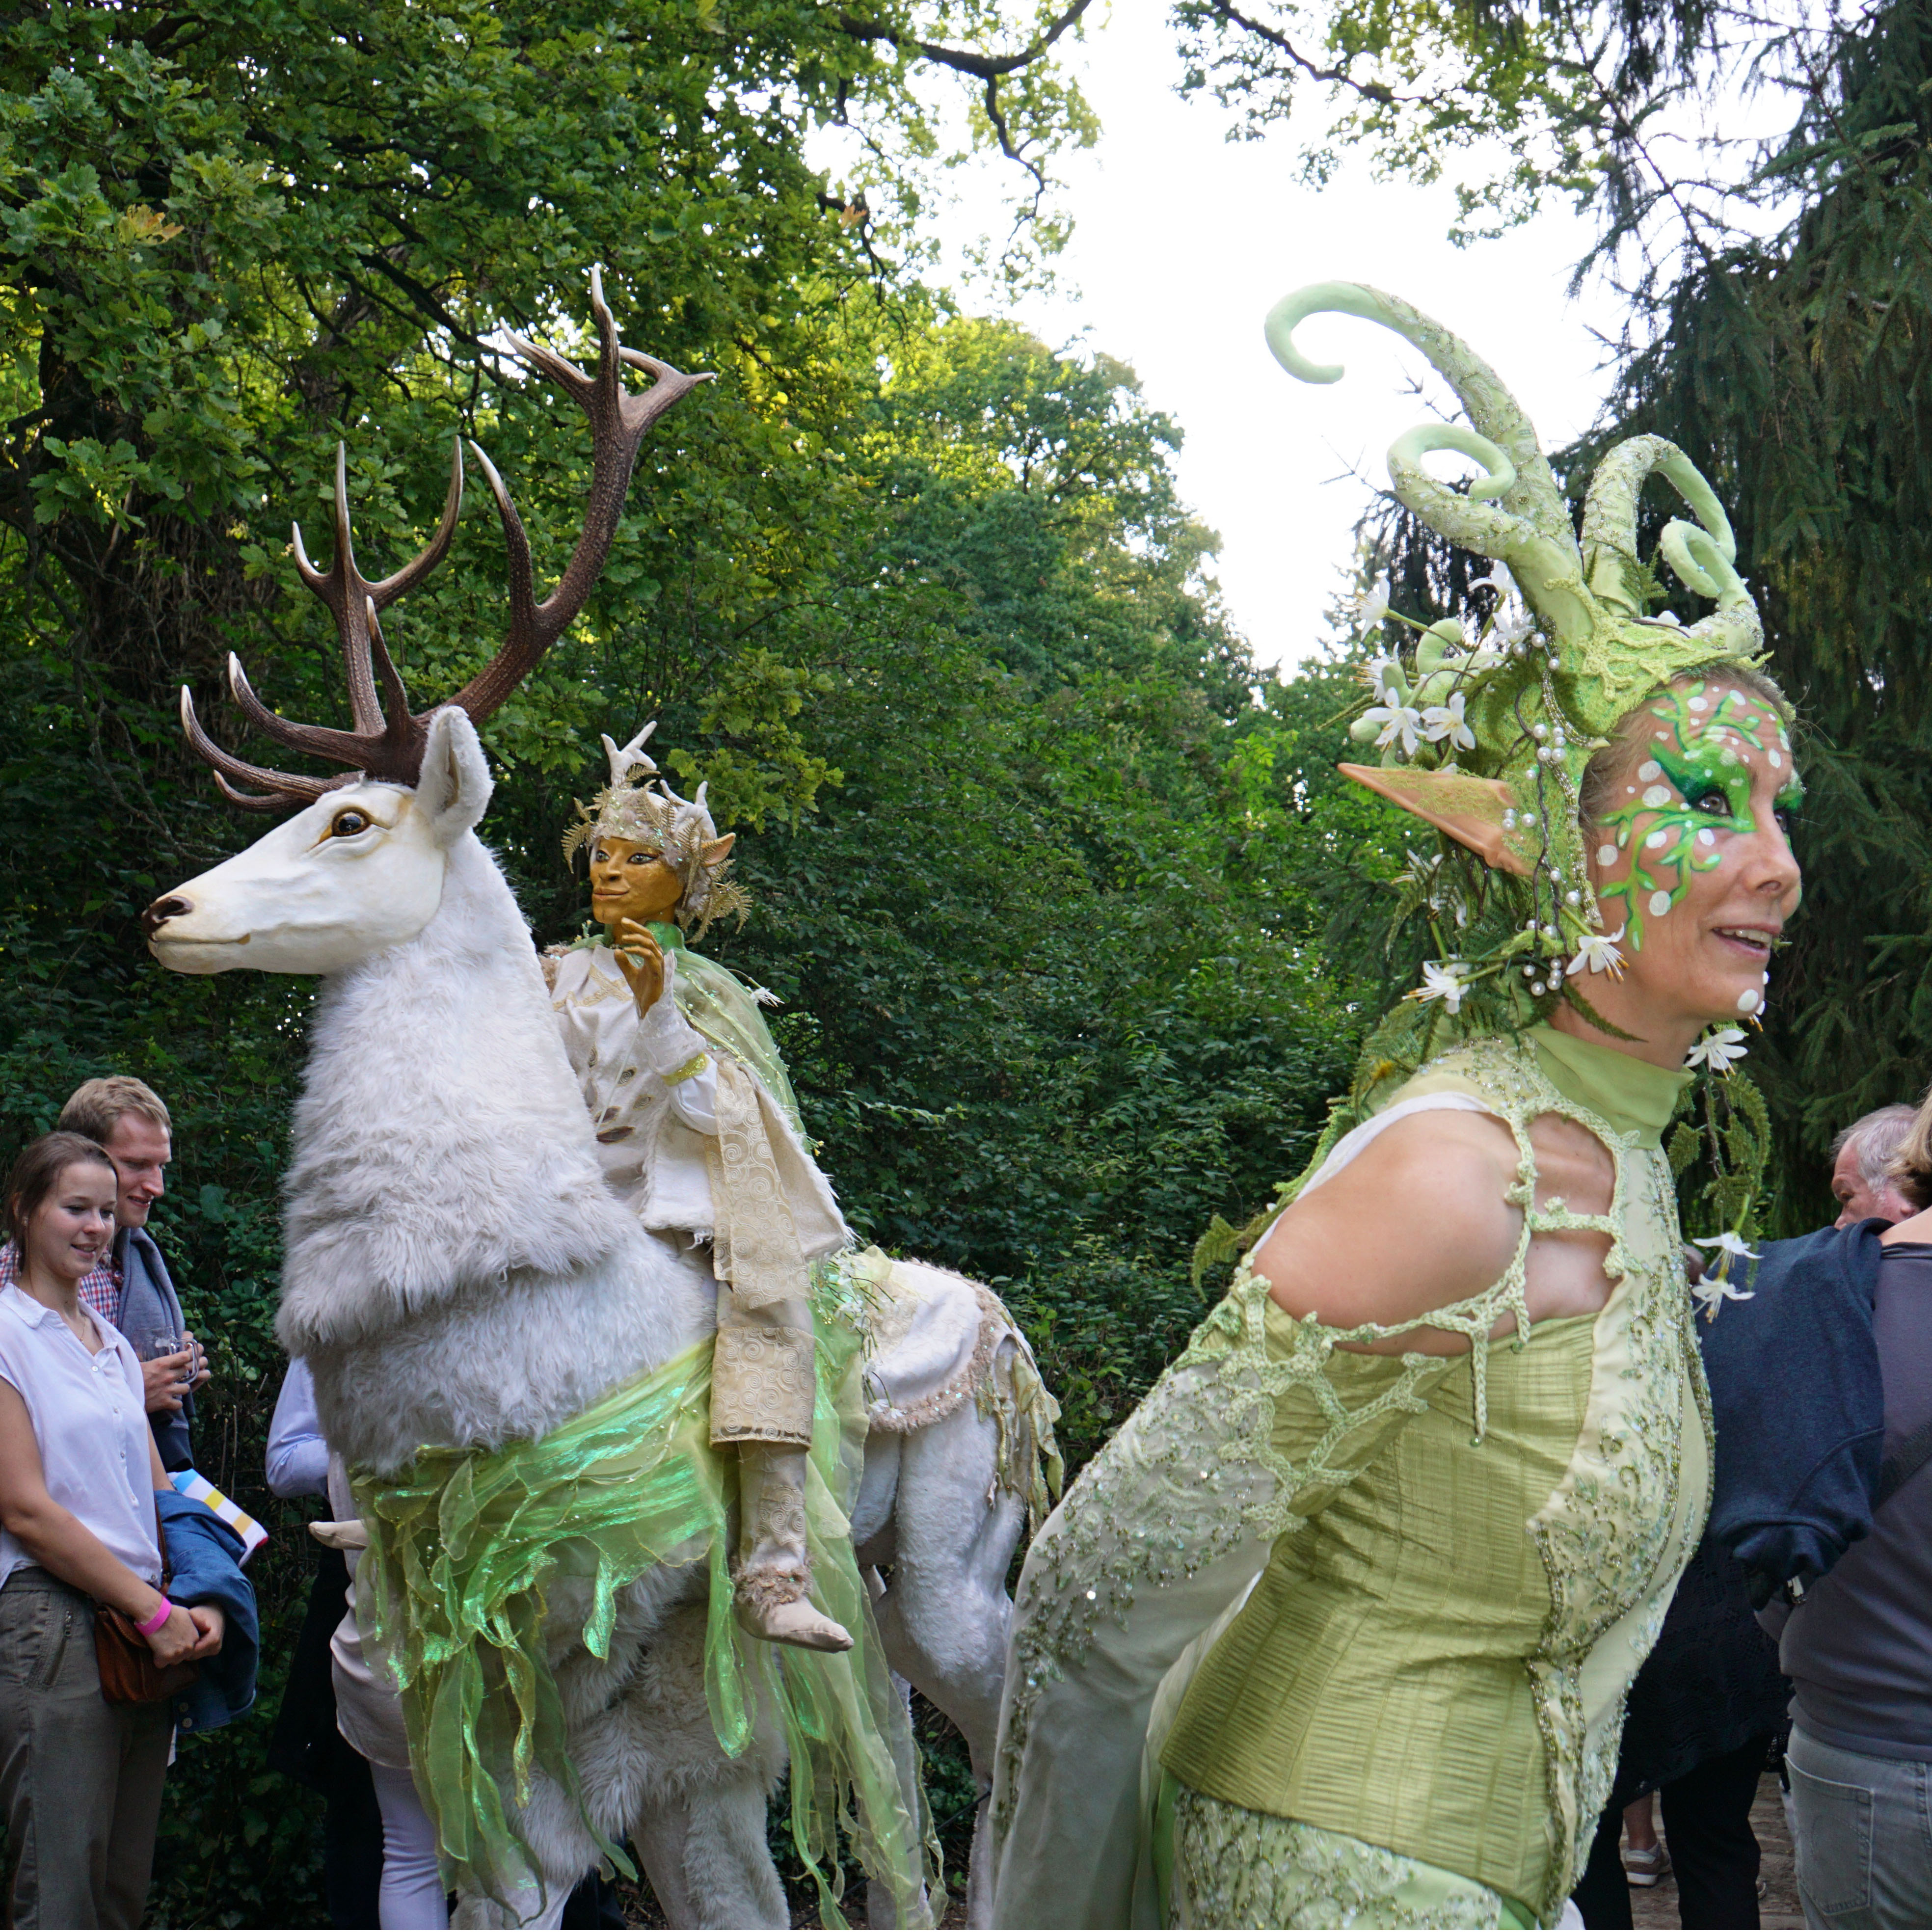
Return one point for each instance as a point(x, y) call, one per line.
point(1264, 1433)
point(1237, 1868)
point(468, 1550)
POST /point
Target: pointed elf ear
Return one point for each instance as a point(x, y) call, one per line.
point(719, 850)
point(1469, 809)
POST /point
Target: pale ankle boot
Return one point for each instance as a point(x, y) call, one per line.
point(774, 1572)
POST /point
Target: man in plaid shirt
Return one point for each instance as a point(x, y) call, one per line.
point(131, 1288)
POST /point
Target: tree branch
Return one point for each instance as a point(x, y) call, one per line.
point(964, 60)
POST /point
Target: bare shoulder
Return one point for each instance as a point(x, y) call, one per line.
point(1419, 1220)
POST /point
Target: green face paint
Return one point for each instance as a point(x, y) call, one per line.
point(1692, 788)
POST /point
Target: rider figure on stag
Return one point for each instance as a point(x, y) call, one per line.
point(700, 1137)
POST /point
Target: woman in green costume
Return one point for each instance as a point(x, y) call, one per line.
point(1338, 1629)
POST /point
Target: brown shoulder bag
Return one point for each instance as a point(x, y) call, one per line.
point(129, 1674)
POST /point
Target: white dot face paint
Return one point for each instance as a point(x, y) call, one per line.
point(1749, 1003)
point(1656, 839)
point(1649, 769)
point(1606, 855)
point(1707, 837)
point(1777, 763)
point(1657, 795)
point(1660, 904)
point(1700, 704)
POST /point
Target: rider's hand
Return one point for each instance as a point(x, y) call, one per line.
point(640, 960)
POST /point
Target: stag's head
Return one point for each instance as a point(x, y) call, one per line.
point(360, 867)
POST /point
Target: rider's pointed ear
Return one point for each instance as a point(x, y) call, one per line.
point(719, 850)
point(1470, 809)
point(455, 785)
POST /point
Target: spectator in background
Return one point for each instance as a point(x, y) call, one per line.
point(1861, 1155)
point(1858, 1646)
point(80, 1778)
point(308, 1744)
point(132, 1288)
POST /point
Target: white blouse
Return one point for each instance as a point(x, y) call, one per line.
point(90, 1425)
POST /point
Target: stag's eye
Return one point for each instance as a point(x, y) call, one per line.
point(347, 824)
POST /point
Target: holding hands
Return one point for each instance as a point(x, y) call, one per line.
point(192, 1632)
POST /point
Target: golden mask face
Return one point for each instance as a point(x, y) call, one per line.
point(628, 880)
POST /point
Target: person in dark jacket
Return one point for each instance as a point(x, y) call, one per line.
point(1703, 1715)
point(130, 1120)
point(1858, 1645)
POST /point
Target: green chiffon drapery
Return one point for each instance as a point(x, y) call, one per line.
point(465, 1546)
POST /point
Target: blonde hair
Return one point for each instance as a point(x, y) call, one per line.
point(94, 1108)
point(1910, 1166)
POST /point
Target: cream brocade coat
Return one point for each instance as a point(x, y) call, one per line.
point(702, 1151)
point(1457, 1564)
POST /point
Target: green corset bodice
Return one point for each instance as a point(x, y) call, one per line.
point(1478, 1549)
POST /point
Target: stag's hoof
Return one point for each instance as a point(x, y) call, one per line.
point(794, 1623)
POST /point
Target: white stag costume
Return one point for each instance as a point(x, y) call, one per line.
point(700, 1136)
point(1326, 1637)
point(518, 1378)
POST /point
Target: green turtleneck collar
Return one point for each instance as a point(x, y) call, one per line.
point(1636, 1098)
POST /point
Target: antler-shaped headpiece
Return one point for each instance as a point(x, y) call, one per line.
point(387, 741)
point(1528, 718)
point(680, 831)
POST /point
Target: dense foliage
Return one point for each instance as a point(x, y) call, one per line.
point(1042, 885)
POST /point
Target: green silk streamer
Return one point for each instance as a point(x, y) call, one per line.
point(465, 1546)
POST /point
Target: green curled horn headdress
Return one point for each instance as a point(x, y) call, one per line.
point(1490, 744)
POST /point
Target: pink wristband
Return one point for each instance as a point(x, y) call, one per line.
point(154, 1622)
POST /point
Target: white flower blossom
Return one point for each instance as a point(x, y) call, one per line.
point(1718, 1051)
point(1371, 607)
point(1498, 580)
point(1730, 1243)
point(1599, 952)
point(1397, 721)
point(1442, 980)
point(1385, 673)
point(1713, 1291)
point(1715, 1288)
point(1445, 720)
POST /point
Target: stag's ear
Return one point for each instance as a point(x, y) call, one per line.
point(1469, 809)
point(455, 785)
point(719, 850)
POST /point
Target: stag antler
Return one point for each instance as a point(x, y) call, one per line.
point(387, 740)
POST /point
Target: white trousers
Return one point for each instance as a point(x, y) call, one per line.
point(412, 1898)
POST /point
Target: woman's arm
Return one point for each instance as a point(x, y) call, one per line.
point(57, 1540)
point(298, 1457)
point(1419, 1220)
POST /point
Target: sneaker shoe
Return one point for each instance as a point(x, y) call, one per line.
point(1646, 1867)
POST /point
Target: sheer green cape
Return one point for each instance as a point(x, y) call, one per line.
point(465, 1546)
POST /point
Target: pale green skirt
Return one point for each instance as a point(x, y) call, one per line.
point(1228, 1866)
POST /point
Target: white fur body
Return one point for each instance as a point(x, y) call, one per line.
point(457, 1273)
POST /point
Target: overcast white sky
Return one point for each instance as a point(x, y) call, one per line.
point(1184, 242)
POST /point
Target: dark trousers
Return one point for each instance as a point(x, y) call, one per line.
point(1714, 1851)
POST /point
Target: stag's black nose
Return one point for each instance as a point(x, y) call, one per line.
point(163, 910)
